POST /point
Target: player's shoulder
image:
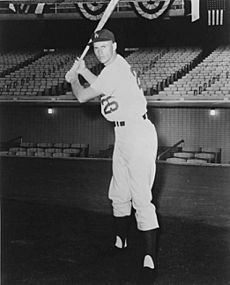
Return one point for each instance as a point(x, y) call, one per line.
point(121, 59)
point(122, 62)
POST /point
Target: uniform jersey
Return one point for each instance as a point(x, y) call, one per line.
point(122, 97)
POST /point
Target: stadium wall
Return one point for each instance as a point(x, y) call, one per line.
point(84, 124)
point(75, 33)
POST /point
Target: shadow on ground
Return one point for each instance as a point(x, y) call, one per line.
point(48, 244)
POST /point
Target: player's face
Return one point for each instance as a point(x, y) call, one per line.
point(105, 51)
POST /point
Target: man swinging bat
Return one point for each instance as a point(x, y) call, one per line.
point(135, 149)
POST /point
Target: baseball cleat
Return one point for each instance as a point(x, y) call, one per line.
point(148, 262)
point(119, 244)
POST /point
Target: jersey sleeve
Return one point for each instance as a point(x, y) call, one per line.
point(104, 83)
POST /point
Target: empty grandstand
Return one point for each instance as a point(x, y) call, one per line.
point(184, 75)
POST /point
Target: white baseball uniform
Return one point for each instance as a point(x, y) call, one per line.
point(135, 149)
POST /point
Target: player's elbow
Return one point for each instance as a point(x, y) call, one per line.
point(85, 94)
point(81, 99)
point(78, 95)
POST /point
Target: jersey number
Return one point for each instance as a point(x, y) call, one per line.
point(109, 105)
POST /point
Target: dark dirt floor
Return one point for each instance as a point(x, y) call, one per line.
point(56, 245)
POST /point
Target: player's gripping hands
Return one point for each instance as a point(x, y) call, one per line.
point(77, 68)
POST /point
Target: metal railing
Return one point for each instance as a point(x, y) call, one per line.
point(9, 143)
point(159, 157)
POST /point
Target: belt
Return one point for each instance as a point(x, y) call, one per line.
point(122, 123)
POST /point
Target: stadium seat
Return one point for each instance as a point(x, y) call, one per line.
point(72, 151)
point(61, 145)
point(191, 149)
point(40, 154)
point(61, 154)
point(197, 161)
point(4, 153)
point(44, 145)
point(207, 156)
point(176, 160)
point(185, 155)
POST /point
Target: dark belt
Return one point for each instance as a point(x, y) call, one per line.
point(122, 123)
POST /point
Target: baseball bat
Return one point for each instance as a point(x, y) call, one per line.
point(108, 11)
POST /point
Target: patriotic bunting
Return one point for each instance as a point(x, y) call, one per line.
point(148, 9)
point(92, 11)
point(151, 9)
point(27, 8)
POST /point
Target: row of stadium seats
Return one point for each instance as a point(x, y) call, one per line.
point(181, 155)
point(172, 65)
point(13, 60)
point(182, 160)
point(45, 76)
point(196, 155)
point(166, 73)
point(48, 150)
point(209, 79)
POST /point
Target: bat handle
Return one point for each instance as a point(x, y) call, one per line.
point(86, 49)
point(84, 52)
point(69, 74)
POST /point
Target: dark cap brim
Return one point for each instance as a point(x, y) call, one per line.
point(101, 40)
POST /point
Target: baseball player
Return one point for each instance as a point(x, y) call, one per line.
point(123, 103)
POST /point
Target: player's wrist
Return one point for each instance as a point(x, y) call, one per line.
point(83, 71)
point(74, 80)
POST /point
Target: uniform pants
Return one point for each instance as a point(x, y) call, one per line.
point(134, 167)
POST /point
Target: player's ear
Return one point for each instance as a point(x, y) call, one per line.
point(114, 46)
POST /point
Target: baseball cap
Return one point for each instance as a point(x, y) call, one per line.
point(102, 36)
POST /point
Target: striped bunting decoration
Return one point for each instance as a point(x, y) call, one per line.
point(151, 9)
point(92, 11)
point(27, 8)
point(215, 10)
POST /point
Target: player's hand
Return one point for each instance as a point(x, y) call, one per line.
point(71, 75)
point(77, 68)
point(80, 63)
